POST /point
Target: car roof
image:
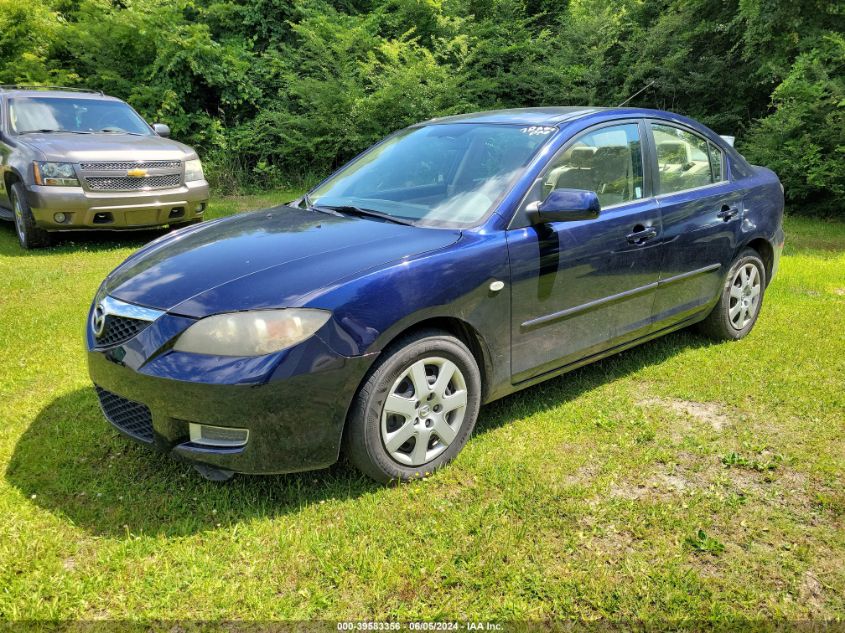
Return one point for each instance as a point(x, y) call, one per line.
point(61, 94)
point(552, 115)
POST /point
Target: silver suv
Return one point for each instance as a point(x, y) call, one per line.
point(74, 159)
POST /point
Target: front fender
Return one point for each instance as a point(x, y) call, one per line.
point(371, 311)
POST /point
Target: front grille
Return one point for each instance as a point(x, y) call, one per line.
point(120, 329)
point(126, 183)
point(149, 164)
point(133, 418)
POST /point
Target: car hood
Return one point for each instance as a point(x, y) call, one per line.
point(75, 148)
point(276, 258)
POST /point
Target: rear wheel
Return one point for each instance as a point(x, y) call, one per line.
point(416, 410)
point(739, 305)
point(29, 234)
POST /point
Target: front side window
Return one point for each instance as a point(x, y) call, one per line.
point(684, 160)
point(81, 116)
point(438, 175)
point(607, 161)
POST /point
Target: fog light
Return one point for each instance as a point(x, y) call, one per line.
point(220, 436)
point(201, 207)
point(60, 218)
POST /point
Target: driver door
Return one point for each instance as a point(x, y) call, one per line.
point(582, 287)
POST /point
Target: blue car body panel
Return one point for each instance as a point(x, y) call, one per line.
point(573, 292)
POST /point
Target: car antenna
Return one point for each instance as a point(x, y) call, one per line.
point(643, 89)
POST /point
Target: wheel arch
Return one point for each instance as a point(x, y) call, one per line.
point(10, 177)
point(461, 330)
point(766, 251)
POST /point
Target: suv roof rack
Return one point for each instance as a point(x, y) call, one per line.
point(6, 87)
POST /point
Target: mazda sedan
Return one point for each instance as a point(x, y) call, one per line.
point(453, 263)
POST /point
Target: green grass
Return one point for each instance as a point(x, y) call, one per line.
point(681, 480)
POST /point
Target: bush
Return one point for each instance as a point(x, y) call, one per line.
point(803, 140)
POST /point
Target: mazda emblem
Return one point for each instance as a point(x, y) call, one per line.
point(98, 320)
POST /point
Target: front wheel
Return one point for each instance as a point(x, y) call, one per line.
point(740, 301)
point(416, 410)
point(30, 235)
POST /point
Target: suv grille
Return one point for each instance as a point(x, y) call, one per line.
point(120, 329)
point(150, 164)
point(125, 183)
point(133, 418)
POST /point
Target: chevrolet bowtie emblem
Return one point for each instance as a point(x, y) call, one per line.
point(136, 173)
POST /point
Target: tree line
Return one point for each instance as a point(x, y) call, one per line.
point(276, 92)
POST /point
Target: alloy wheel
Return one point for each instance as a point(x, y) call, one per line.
point(745, 296)
point(19, 218)
point(424, 411)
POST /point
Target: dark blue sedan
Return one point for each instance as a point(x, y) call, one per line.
point(455, 262)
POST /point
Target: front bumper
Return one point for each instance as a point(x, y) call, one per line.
point(116, 210)
point(293, 403)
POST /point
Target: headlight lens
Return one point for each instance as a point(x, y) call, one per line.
point(251, 333)
point(56, 174)
point(193, 170)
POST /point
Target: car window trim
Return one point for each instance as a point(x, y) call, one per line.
point(648, 191)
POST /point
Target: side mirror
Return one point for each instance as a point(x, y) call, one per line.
point(566, 205)
point(161, 129)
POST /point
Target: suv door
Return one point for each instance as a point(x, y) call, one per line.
point(581, 287)
point(701, 211)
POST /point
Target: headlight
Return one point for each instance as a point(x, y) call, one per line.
point(251, 333)
point(55, 174)
point(193, 170)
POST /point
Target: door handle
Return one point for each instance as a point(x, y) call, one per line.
point(727, 212)
point(641, 234)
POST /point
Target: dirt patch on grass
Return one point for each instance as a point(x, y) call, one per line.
point(708, 412)
point(811, 592)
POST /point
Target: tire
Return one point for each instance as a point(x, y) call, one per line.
point(29, 234)
point(389, 420)
point(736, 312)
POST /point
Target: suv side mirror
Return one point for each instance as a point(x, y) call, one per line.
point(161, 129)
point(566, 205)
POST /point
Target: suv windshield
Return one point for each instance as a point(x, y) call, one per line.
point(447, 175)
point(63, 114)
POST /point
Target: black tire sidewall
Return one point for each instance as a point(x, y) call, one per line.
point(370, 453)
point(29, 235)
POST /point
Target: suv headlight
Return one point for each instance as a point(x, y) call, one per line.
point(251, 333)
point(55, 174)
point(193, 170)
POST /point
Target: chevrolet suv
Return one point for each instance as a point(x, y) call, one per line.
point(75, 159)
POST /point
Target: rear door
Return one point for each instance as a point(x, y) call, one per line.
point(701, 210)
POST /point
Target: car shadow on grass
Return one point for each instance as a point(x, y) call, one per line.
point(88, 240)
point(71, 463)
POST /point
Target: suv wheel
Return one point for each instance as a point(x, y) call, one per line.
point(29, 234)
point(742, 297)
point(416, 410)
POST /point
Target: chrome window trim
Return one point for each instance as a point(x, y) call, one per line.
point(682, 191)
point(116, 307)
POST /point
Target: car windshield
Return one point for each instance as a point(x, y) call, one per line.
point(447, 175)
point(83, 116)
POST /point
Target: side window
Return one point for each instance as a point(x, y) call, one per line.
point(683, 159)
point(607, 161)
point(716, 163)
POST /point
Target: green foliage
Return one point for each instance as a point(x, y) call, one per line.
point(804, 139)
point(701, 542)
point(279, 91)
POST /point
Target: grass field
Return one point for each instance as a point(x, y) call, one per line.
point(681, 480)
